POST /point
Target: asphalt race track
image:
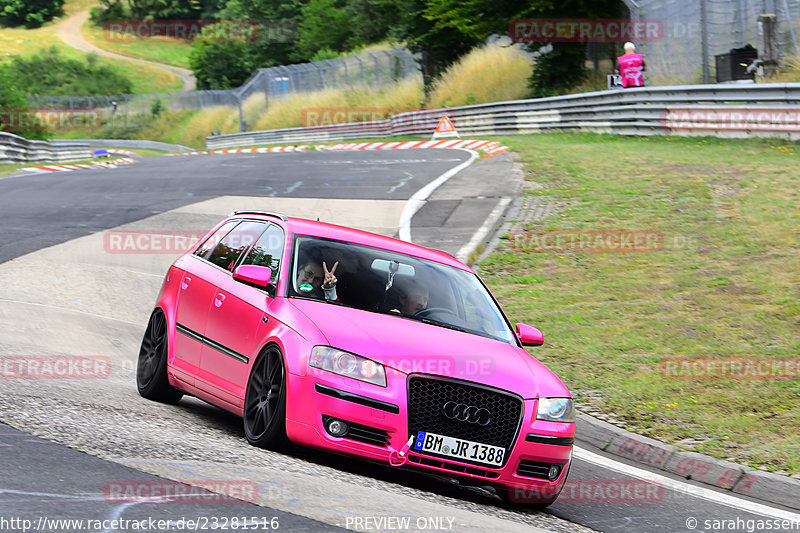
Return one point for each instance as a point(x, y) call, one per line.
point(67, 444)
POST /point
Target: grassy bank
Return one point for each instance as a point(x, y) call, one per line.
point(25, 43)
point(161, 50)
point(724, 286)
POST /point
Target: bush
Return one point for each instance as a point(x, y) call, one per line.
point(48, 73)
point(12, 101)
point(324, 53)
point(115, 11)
point(220, 65)
point(29, 13)
point(491, 73)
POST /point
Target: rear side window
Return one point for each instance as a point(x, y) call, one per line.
point(267, 251)
point(208, 246)
point(234, 244)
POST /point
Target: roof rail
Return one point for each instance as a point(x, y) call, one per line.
point(265, 213)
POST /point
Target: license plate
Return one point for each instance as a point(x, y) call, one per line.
point(459, 448)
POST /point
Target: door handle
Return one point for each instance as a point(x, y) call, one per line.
point(219, 299)
point(185, 282)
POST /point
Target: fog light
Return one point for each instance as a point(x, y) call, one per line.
point(337, 428)
point(554, 472)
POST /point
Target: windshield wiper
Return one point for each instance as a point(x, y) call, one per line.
point(458, 328)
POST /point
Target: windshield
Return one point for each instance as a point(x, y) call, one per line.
point(395, 284)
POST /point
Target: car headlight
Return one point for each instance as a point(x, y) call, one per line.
point(348, 364)
point(555, 410)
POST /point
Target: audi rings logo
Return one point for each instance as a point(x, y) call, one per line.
point(467, 413)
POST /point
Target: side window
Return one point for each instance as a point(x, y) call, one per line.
point(268, 251)
point(234, 244)
point(207, 247)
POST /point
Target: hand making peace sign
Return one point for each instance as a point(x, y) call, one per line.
point(330, 279)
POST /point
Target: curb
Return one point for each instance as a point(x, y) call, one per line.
point(717, 473)
point(67, 168)
point(738, 479)
point(491, 148)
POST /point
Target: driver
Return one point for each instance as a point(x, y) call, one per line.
point(413, 298)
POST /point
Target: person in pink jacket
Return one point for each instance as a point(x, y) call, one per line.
point(631, 67)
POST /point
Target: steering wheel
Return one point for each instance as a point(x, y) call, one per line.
point(428, 311)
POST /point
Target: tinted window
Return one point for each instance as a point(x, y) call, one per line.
point(404, 286)
point(235, 243)
point(267, 251)
point(208, 246)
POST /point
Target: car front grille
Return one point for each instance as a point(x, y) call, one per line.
point(428, 396)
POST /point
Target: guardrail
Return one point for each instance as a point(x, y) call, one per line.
point(127, 144)
point(16, 149)
point(769, 110)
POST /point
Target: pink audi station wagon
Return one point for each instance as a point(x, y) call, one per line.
point(359, 344)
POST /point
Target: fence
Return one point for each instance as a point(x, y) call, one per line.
point(697, 30)
point(15, 149)
point(376, 69)
point(769, 110)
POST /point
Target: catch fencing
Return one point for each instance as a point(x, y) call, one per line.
point(768, 110)
point(697, 30)
point(372, 69)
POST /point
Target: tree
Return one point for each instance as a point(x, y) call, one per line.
point(30, 13)
point(440, 42)
point(443, 30)
point(324, 25)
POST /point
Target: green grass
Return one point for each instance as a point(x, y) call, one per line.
point(5, 170)
point(724, 285)
point(161, 50)
point(25, 43)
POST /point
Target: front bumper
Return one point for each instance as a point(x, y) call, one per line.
point(379, 418)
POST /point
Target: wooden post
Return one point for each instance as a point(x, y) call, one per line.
point(768, 50)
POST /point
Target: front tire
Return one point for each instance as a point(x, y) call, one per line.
point(151, 368)
point(265, 402)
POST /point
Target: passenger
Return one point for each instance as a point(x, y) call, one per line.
point(311, 277)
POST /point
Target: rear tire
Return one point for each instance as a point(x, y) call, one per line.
point(264, 414)
point(151, 368)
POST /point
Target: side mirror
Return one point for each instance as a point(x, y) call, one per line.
point(255, 276)
point(529, 335)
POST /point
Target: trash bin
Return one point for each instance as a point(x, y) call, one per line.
point(733, 65)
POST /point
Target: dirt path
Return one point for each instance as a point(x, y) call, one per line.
point(69, 31)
